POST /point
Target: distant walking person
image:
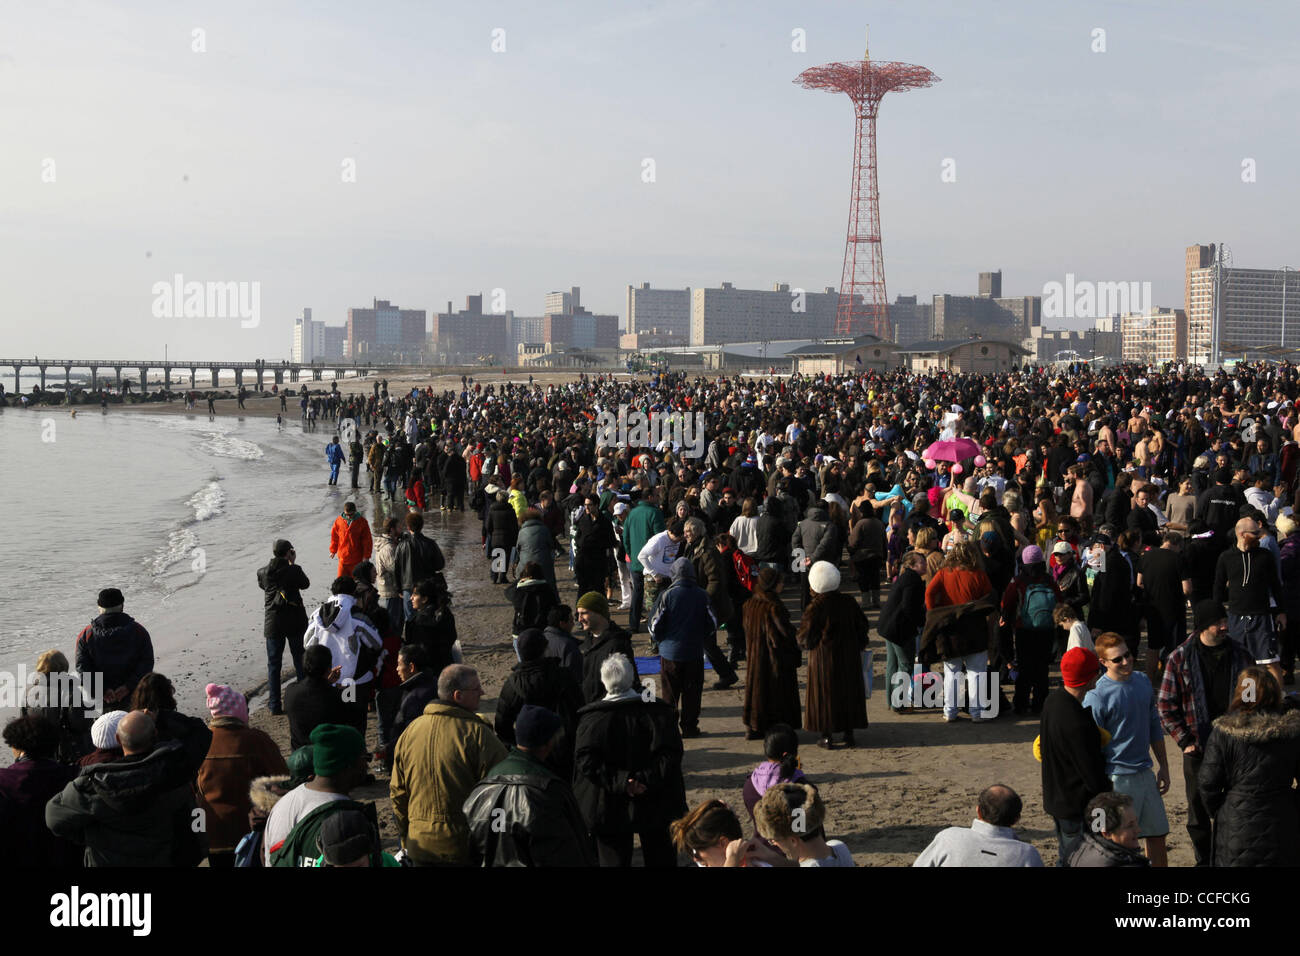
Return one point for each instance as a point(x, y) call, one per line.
point(355, 456)
point(334, 455)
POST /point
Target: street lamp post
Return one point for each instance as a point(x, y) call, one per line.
point(1284, 272)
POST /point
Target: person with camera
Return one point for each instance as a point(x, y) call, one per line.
point(282, 582)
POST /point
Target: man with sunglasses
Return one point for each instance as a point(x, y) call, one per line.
point(1123, 704)
point(1246, 579)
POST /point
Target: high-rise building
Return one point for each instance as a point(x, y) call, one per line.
point(471, 335)
point(1257, 306)
point(727, 314)
point(1154, 336)
point(315, 341)
point(664, 312)
point(563, 303)
point(912, 321)
point(386, 332)
point(334, 341)
point(989, 314)
point(308, 338)
point(567, 323)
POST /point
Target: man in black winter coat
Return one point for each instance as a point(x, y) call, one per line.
point(522, 813)
point(500, 532)
point(543, 682)
point(628, 776)
point(604, 638)
point(1074, 770)
point(282, 582)
point(1247, 580)
point(116, 647)
point(136, 811)
point(416, 559)
point(560, 642)
point(315, 700)
point(419, 688)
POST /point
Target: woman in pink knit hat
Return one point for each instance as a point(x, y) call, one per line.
point(239, 754)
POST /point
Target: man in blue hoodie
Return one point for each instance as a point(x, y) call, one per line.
point(334, 455)
point(681, 623)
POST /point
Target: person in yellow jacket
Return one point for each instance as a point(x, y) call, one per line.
point(440, 757)
point(518, 500)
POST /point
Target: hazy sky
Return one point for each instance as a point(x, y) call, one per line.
point(522, 169)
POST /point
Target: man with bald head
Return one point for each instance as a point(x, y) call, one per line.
point(137, 811)
point(989, 841)
point(1246, 580)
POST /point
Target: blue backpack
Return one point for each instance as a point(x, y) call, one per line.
point(249, 851)
point(1036, 607)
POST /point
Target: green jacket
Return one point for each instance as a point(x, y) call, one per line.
point(299, 847)
point(641, 524)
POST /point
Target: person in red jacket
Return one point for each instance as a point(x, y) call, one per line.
point(350, 539)
point(415, 491)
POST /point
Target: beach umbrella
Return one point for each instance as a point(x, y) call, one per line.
point(952, 449)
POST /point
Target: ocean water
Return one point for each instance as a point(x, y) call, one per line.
point(176, 511)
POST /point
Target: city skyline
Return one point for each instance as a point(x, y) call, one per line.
point(136, 157)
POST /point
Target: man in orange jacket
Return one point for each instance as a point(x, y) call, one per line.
point(350, 539)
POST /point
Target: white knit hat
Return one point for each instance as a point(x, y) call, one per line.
point(103, 732)
point(823, 577)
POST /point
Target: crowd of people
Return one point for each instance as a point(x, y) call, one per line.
point(1019, 526)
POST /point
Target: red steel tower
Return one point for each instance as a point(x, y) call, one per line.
point(863, 306)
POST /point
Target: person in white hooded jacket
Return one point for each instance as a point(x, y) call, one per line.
point(354, 644)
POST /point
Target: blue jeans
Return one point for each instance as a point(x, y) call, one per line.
point(898, 672)
point(406, 604)
point(1069, 833)
point(275, 661)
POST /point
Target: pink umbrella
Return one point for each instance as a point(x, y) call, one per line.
point(953, 449)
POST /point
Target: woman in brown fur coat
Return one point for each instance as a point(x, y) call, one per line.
point(771, 675)
point(834, 631)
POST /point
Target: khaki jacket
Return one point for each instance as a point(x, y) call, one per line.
point(440, 757)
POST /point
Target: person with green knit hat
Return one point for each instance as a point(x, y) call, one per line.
point(339, 762)
point(595, 601)
point(604, 638)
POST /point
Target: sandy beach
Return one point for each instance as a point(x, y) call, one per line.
point(909, 777)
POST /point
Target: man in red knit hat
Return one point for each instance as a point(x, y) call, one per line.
point(1074, 770)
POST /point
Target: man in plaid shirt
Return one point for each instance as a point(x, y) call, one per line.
point(1200, 675)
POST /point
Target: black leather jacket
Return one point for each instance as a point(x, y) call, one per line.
point(522, 814)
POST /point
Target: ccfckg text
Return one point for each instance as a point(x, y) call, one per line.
point(102, 910)
point(22, 688)
point(648, 430)
point(926, 689)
